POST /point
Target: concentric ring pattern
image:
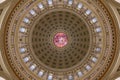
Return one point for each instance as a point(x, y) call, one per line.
point(78, 39)
point(29, 40)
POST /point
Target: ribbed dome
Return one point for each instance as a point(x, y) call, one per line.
point(60, 39)
point(43, 36)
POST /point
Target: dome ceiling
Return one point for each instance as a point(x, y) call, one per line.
point(60, 40)
point(43, 39)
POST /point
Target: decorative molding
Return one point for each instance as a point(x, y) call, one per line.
point(15, 57)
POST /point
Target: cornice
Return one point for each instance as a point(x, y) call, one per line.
point(115, 16)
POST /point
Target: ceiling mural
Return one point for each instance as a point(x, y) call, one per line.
point(60, 40)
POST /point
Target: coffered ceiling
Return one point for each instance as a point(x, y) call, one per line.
point(60, 39)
